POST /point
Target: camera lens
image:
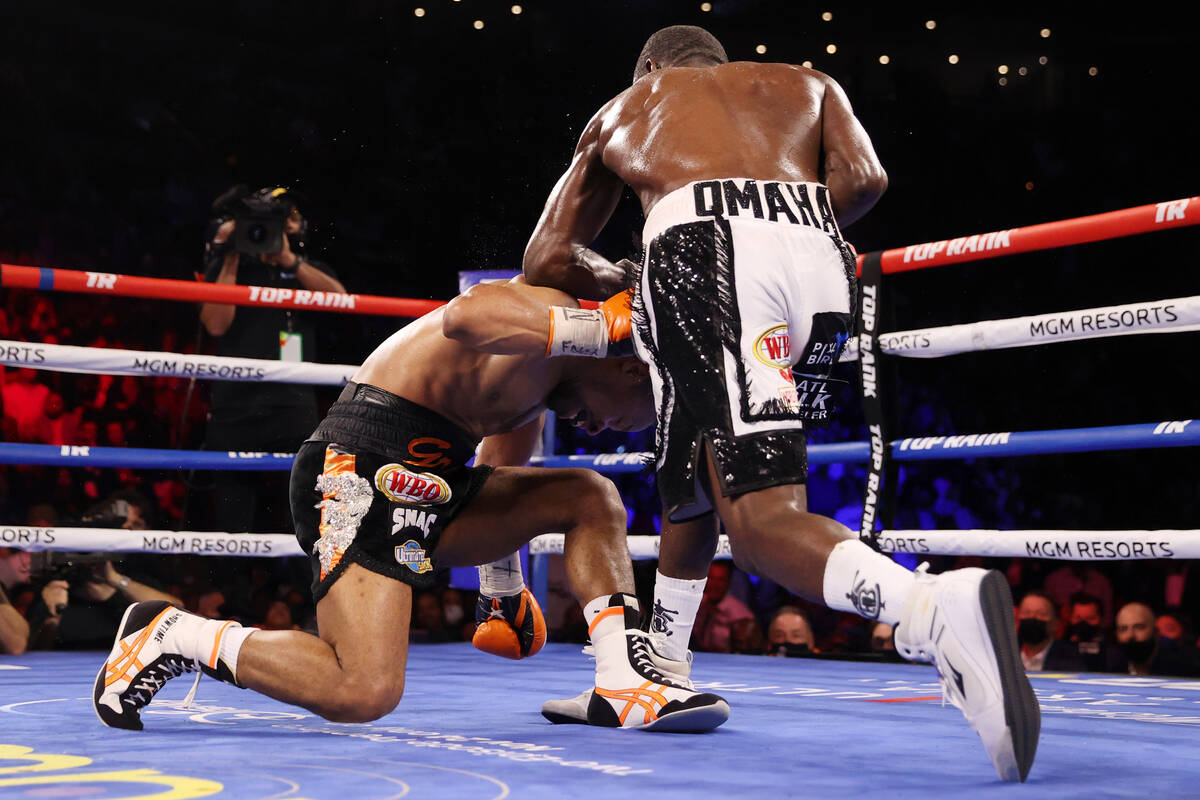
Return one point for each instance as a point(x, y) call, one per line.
point(257, 233)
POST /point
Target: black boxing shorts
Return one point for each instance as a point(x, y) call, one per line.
point(376, 484)
point(742, 307)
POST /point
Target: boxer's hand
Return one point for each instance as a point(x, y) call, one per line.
point(604, 332)
point(618, 318)
point(512, 627)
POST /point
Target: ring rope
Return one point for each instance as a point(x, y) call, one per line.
point(1176, 433)
point(1043, 236)
point(1177, 315)
point(67, 280)
point(112, 361)
point(1052, 544)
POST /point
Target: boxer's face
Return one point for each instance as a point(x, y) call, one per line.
point(609, 394)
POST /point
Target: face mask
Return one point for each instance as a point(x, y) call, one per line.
point(792, 650)
point(454, 614)
point(1031, 631)
point(1082, 632)
point(1138, 652)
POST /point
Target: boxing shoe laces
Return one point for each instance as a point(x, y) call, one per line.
point(961, 622)
point(632, 691)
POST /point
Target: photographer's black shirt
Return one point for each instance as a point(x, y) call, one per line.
point(255, 334)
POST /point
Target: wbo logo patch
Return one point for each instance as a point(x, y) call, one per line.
point(773, 347)
point(400, 485)
point(412, 555)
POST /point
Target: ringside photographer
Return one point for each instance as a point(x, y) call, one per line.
point(260, 239)
point(83, 595)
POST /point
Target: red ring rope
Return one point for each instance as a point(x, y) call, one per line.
point(1045, 236)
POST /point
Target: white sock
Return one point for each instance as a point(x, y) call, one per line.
point(868, 583)
point(502, 578)
point(676, 601)
point(208, 641)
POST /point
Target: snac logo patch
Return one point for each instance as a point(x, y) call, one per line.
point(773, 347)
point(400, 485)
point(412, 555)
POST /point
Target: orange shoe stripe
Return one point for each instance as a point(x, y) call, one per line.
point(212, 660)
point(643, 696)
point(606, 613)
point(119, 669)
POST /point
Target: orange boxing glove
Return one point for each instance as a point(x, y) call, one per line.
point(512, 627)
point(604, 332)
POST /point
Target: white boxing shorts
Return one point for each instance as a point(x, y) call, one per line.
point(743, 282)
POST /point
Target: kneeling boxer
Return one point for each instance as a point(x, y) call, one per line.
point(382, 498)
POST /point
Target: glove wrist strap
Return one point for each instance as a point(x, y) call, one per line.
point(577, 332)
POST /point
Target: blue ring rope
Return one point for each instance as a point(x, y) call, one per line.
point(1183, 433)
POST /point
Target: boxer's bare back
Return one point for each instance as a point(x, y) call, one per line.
point(681, 124)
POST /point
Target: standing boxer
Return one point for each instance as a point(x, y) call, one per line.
point(746, 173)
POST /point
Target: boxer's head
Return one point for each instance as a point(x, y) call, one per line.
point(679, 46)
point(599, 393)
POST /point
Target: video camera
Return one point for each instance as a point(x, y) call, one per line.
point(261, 218)
point(74, 568)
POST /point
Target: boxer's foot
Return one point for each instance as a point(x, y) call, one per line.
point(156, 642)
point(573, 710)
point(138, 665)
point(961, 621)
point(632, 691)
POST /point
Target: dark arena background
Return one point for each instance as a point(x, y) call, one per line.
point(423, 139)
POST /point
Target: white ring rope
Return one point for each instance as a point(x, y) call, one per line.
point(1161, 316)
point(107, 361)
point(1050, 544)
point(1175, 315)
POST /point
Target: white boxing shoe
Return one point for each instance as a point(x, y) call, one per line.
point(574, 710)
point(962, 622)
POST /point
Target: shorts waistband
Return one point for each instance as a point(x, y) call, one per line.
point(374, 419)
point(802, 204)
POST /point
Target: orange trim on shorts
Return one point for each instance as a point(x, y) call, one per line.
point(608, 612)
point(336, 463)
point(212, 660)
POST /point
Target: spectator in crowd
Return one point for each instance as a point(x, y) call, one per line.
point(789, 633)
point(1074, 577)
point(1085, 631)
point(454, 609)
point(24, 404)
point(718, 611)
point(14, 630)
point(278, 618)
point(265, 417)
point(1142, 651)
point(1037, 632)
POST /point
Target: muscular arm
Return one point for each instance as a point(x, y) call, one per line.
point(852, 171)
point(503, 318)
point(578, 208)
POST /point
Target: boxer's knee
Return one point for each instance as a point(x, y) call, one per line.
point(595, 501)
point(362, 698)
